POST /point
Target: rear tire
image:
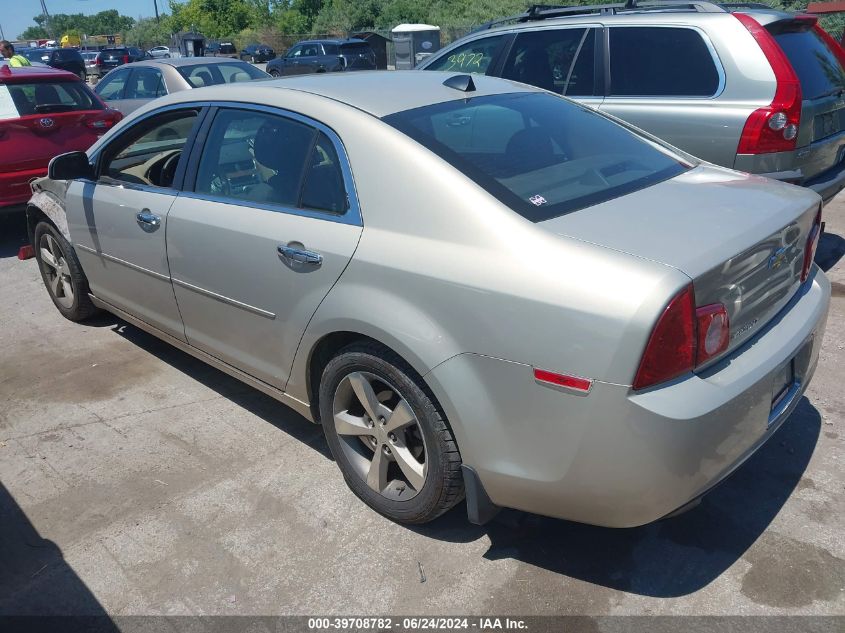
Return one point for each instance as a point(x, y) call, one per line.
point(66, 283)
point(275, 73)
point(390, 440)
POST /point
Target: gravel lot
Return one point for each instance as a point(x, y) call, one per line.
point(136, 480)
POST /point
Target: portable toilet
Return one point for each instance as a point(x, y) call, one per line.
point(414, 42)
point(191, 44)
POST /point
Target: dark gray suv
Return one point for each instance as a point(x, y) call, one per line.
point(739, 85)
point(320, 56)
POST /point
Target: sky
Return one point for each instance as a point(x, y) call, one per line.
point(16, 15)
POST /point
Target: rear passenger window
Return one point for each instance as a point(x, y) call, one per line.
point(559, 60)
point(661, 62)
point(258, 157)
point(145, 83)
point(473, 57)
point(324, 188)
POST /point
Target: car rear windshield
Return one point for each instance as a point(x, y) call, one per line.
point(818, 70)
point(227, 48)
point(212, 74)
point(541, 155)
point(38, 55)
point(354, 48)
point(22, 99)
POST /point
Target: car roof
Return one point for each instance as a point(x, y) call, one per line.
point(350, 40)
point(378, 93)
point(28, 74)
point(178, 62)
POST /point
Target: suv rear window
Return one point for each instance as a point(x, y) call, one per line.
point(818, 70)
point(660, 62)
point(541, 155)
point(46, 98)
point(354, 48)
point(227, 49)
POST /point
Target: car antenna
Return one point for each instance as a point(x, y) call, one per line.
point(464, 83)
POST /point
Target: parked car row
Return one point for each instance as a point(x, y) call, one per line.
point(759, 90)
point(481, 288)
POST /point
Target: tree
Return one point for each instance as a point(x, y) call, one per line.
point(148, 33)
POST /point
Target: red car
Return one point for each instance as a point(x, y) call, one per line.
point(43, 113)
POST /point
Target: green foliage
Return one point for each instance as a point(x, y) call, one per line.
point(102, 23)
point(148, 33)
point(228, 18)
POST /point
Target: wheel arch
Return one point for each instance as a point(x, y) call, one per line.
point(46, 205)
point(327, 346)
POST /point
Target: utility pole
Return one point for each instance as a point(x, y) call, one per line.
point(2, 37)
point(155, 4)
point(46, 19)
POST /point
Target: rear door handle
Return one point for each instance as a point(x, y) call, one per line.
point(148, 218)
point(300, 255)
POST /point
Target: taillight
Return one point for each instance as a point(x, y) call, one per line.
point(714, 331)
point(98, 61)
point(683, 338)
point(812, 244)
point(126, 59)
point(107, 121)
point(775, 127)
point(670, 350)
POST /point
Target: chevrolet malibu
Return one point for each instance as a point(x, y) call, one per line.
point(478, 288)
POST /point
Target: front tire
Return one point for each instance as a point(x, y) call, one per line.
point(66, 283)
point(275, 73)
point(389, 439)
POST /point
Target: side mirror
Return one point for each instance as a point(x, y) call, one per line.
point(70, 166)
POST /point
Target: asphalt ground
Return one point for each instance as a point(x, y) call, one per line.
point(134, 479)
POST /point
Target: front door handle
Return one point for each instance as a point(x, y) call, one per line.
point(148, 218)
point(300, 255)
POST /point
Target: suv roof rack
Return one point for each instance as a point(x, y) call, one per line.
point(545, 11)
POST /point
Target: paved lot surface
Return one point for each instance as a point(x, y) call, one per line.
point(136, 480)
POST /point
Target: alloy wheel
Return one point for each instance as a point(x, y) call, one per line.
point(380, 435)
point(56, 270)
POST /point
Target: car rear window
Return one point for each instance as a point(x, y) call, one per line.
point(213, 74)
point(22, 99)
point(661, 62)
point(354, 48)
point(227, 48)
point(818, 70)
point(541, 155)
point(37, 55)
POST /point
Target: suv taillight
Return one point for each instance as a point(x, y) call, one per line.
point(126, 59)
point(683, 338)
point(812, 244)
point(98, 61)
point(775, 127)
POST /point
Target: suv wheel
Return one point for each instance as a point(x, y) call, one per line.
point(389, 439)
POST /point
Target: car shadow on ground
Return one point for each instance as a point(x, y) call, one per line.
point(34, 577)
point(830, 250)
point(669, 558)
point(12, 233)
point(261, 405)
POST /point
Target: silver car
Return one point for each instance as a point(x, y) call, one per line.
point(130, 86)
point(477, 287)
point(739, 85)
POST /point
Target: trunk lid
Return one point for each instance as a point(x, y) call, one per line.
point(822, 76)
point(740, 238)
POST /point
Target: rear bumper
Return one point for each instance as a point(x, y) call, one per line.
point(827, 184)
point(618, 458)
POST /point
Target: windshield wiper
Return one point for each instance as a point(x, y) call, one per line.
point(53, 107)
